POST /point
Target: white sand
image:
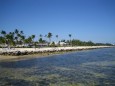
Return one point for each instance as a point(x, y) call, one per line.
point(51, 48)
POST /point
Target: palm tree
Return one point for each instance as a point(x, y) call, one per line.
point(49, 36)
point(22, 39)
point(21, 32)
point(17, 35)
point(19, 38)
point(4, 36)
point(2, 40)
point(3, 33)
point(16, 39)
point(70, 39)
point(33, 36)
point(40, 35)
point(40, 40)
point(30, 38)
point(26, 41)
point(70, 36)
point(10, 39)
point(16, 31)
point(57, 37)
point(46, 37)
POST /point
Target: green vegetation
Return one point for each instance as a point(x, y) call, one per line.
point(18, 39)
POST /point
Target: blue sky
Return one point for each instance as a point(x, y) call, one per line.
point(85, 19)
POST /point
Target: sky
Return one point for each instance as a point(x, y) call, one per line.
point(87, 20)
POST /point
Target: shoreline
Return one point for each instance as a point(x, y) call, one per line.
point(41, 52)
point(30, 56)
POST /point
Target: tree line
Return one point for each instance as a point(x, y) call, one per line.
point(18, 37)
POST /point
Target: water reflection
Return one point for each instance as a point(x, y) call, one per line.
point(84, 68)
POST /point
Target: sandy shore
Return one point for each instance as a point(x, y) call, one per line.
point(24, 57)
point(44, 51)
point(51, 49)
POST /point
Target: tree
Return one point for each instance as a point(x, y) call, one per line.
point(32, 37)
point(70, 36)
point(21, 32)
point(90, 43)
point(57, 37)
point(40, 40)
point(46, 37)
point(26, 41)
point(57, 40)
point(63, 40)
point(49, 36)
point(53, 44)
point(22, 39)
point(16, 39)
point(16, 31)
point(10, 39)
point(2, 38)
point(3, 33)
point(70, 39)
point(40, 35)
point(17, 36)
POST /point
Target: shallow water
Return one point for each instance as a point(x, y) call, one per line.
point(81, 68)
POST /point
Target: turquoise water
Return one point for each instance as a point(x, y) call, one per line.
point(81, 68)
